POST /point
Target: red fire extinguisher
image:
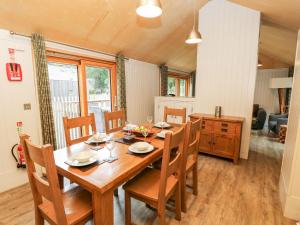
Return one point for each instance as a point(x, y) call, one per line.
point(19, 156)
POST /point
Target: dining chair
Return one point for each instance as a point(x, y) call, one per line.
point(190, 159)
point(114, 121)
point(175, 113)
point(155, 187)
point(71, 206)
point(83, 122)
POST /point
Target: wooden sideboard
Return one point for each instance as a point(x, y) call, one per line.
point(220, 136)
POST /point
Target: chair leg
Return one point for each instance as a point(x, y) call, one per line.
point(39, 220)
point(195, 179)
point(178, 202)
point(127, 209)
point(161, 215)
point(116, 193)
point(183, 194)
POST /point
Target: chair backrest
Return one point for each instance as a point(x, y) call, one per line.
point(46, 187)
point(191, 142)
point(175, 112)
point(79, 122)
point(114, 121)
point(174, 143)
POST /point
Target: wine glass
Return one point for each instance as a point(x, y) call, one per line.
point(95, 138)
point(145, 133)
point(110, 146)
point(162, 125)
point(127, 127)
point(149, 119)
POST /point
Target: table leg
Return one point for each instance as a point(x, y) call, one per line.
point(103, 208)
point(61, 181)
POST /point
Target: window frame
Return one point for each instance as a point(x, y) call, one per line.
point(178, 77)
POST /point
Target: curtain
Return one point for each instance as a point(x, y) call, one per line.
point(163, 80)
point(43, 87)
point(193, 80)
point(121, 83)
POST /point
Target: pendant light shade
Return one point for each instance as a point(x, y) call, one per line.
point(194, 37)
point(149, 8)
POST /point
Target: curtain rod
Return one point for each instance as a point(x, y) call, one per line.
point(73, 46)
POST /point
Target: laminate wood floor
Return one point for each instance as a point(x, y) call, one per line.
point(243, 194)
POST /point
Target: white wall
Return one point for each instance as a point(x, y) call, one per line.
point(142, 84)
point(12, 97)
point(266, 97)
point(290, 170)
point(227, 61)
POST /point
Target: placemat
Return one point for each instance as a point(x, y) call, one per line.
point(127, 142)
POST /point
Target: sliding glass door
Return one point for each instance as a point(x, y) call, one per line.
point(78, 88)
point(98, 86)
point(64, 88)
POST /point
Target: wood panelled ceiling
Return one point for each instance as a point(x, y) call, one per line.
point(112, 26)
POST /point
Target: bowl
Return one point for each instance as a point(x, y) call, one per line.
point(141, 146)
point(83, 156)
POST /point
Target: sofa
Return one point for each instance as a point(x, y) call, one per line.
point(259, 121)
point(275, 120)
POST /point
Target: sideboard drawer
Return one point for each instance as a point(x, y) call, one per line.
point(224, 127)
point(207, 125)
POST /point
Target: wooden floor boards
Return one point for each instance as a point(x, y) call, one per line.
point(243, 194)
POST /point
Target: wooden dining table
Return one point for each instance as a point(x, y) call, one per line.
point(102, 179)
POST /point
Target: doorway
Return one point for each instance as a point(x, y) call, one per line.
point(80, 86)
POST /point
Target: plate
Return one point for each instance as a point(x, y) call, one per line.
point(133, 149)
point(130, 127)
point(100, 139)
point(83, 156)
point(76, 163)
point(162, 125)
point(162, 134)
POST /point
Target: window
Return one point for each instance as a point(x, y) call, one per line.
point(80, 86)
point(182, 87)
point(171, 85)
point(178, 84)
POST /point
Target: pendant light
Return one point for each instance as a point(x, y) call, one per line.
point(194, 37)
point(149, 8)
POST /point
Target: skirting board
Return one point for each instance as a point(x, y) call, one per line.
point(290, 204)
point(13, 179)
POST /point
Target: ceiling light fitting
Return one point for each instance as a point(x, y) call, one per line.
point(149, 8)
point(195, 36)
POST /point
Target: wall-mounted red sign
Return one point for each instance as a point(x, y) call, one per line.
point(13, 69)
